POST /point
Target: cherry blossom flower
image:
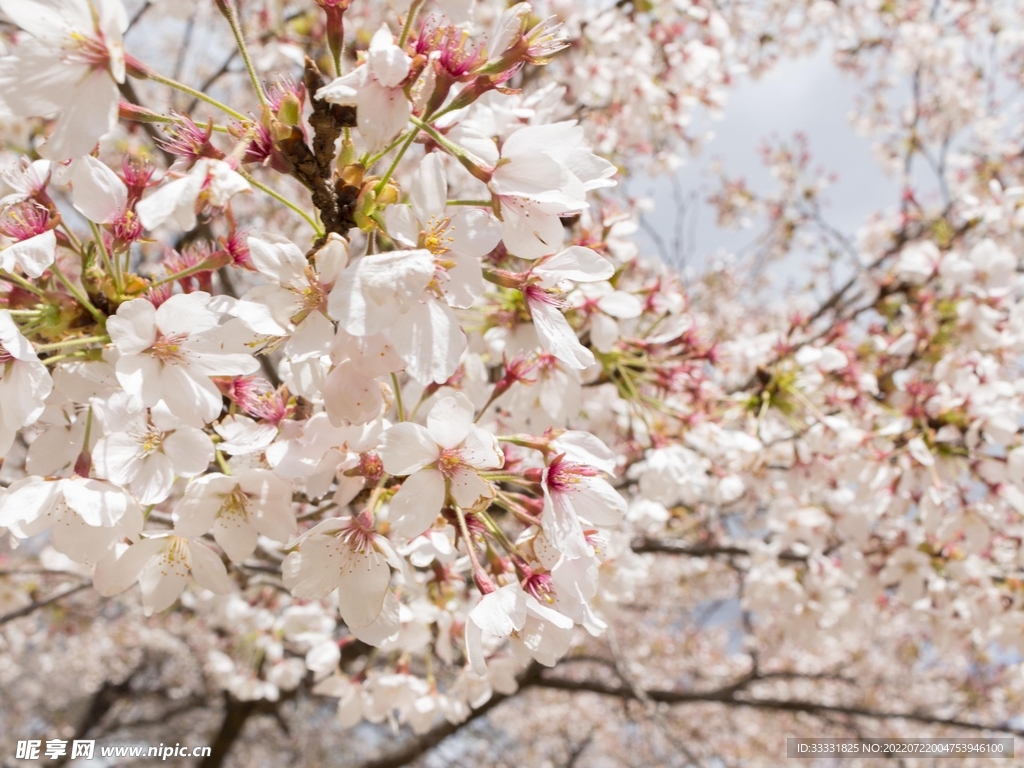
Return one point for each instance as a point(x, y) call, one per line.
point(442, 459)
point(374, 291)
point(24, 382)
point(543, 297)
point(494, 618)
point(238, 509)
point(102, 197)
point(161, 564)
point(169, 352)
point(573, 491)
point(545, 635)
point(35, 246)
point(26, 179)
point(605, 306)
point(85, 517)
point(374, 89)
point(293, 304)
point(352, 393)
point(544, 173)
point(97, 192)
point(909, 569)
point(429, 337)
point(145, 452)
point(512, 41)
point(69, 69)
point(344, 554)
point(210, 182)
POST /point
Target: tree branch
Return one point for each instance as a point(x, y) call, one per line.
point(236, 713)
point(674, 547)
point(727, 696)
point(37, 604)
point(415, 747)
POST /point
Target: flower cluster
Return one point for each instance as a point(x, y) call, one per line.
point(318, 401)
point(363, 356)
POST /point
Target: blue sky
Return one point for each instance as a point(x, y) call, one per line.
point(808, 94)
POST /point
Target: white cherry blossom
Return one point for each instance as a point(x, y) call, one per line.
point(382, 109)
point(211, 182)
point(24, 382)
point(85, 517)
point(237, 509)
point(169, 352)
point(68, 69)
point(573, 491)
point(161, 564)
point(544, 299)
point(344, 554)
point(441, 460)
point(544, 173)
point(146, 451)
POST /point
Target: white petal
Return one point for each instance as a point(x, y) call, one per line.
point(469, 489)
point(13, 341)
point(90, 114)
point(190, 451)
point(430, 339)
point(475, 648)
point(28, 502)
point(83, 543)
point(385, 627)
point(429, 192)
point(585, 448)
point(115, 575)
point(270, 505)
point(209, 570)
point(372, 293)
point(557, 139)
point(133, 328)
point(528, 232)
point(176, 199)
point(160, 585)
point(480, 450)
point(417, 503)
point(282, 262)
point(381, 113)
point(350, 396)
point(332, 258)
point(406, 448)
point(187, 313)
point(322, 659)
point(47, 20)
point(196, 512)
point(136, 375)
point(33, 255)
point(558, 337)
point(235, 536)
point(575, 263)
point(314, 571)
point(450, 420)
point(562, 526)
point(96, 502)
point(389, 63)
point(596, 500)
point(224, 181)
point(242, 435)
point(620, 304)
point(97, 192)
point(23, 388)
point(153, 480)
point(362, 589)
point(193, 398)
